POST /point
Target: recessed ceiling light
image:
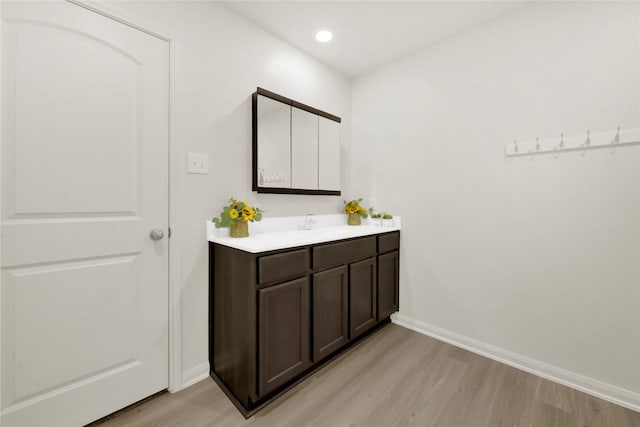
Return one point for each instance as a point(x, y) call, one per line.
point(324, 36)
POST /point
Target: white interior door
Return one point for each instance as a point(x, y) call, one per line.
point(84, 179)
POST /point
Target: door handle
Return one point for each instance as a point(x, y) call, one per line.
point(156, 234)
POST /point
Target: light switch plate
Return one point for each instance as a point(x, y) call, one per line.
point(198, 163)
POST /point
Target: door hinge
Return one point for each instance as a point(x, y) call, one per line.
point(169, 232)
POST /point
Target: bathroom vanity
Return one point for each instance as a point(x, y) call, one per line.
point(282, 304)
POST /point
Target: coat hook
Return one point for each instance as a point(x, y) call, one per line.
point(562, 140)
point(515, 146)
point(537, 144)
point(617, 138)
point(588, 141)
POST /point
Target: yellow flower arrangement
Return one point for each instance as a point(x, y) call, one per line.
point(353, 207)
point(235, 212)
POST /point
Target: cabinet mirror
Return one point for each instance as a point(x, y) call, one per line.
point(296, 148)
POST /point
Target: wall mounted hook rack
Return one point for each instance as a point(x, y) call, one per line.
point(594, 140)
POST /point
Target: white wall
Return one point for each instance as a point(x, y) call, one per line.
point(538, 257)
point(220, 59)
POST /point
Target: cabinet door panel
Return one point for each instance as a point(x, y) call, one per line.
point(304, 149)
point(328, 154)
point(274, 150)
point(387, 284)
point(283, 333)
point(330, 308)
point(362, 296)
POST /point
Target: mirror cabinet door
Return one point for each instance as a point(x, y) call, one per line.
point(328, 154)
point(304, 149)
point(274, 148)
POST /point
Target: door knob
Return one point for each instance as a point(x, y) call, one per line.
point(156, 234)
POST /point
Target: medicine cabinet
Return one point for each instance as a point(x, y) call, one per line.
point(296, 148)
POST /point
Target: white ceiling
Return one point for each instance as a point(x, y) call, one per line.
point(368, 34)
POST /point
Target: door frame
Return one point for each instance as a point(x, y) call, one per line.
point(176, 381)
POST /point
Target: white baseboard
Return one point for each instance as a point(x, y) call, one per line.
point(193, 376)
point(596, 388)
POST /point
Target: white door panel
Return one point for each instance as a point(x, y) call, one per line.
point(32, 241)
point(70, 93)
point(84, 155)
point(48, 302)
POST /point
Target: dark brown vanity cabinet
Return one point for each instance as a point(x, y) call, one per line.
point(388, 284)
point(330, 311)
point(275, 317)
point(388, 275)
point(283, 333)
point(362, 296)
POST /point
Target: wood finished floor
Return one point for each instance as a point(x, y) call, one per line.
point(396, 377)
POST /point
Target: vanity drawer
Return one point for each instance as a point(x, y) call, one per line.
point(388, 242)
point(343, 252)
point(285, 265)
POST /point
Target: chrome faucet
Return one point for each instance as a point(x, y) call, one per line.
point(309, 222)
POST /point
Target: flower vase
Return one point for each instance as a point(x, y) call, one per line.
point(239, 229)
point(353, 219)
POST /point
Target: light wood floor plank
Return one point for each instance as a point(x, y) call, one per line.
point(396, 377)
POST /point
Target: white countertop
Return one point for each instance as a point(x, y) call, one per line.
point(288, 232)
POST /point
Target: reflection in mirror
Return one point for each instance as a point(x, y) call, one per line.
point(328, 154)
point(304, 149)
point(274, 150)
